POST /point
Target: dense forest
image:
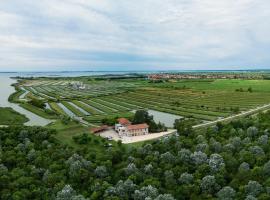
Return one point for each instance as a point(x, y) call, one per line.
point(223, 162)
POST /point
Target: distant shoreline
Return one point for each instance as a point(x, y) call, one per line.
point(139, 71)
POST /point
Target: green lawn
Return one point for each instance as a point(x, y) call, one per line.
point(37, 111)
point(8, 116)
point(220, 84)
point(66, 132)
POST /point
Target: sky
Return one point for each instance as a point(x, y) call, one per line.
point(77, 35)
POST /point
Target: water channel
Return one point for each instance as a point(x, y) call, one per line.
point(6, 90)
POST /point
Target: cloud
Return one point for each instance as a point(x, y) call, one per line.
point(142, 34)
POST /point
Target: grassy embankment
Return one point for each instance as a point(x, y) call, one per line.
point(8, 116)
point(38, 111)
point(14, 98)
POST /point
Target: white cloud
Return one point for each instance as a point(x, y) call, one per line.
point(174, 34)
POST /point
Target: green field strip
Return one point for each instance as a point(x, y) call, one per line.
point(179, 111)
point(61, 91)
point(97, 118)
point(87, 108)
point(98, 106)
point(72, 108)
point(44, 93)
point(37, 111)
point(164, 109)
point(57, 108)
point(120, 102)
point(180, 108)
point(192, 111)
point(115, 106)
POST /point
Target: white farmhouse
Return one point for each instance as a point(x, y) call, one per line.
point(125, 128)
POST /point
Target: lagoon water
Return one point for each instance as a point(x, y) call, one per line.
point(6, 90)
point(165, 118)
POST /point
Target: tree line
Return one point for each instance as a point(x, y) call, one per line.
point(227, 161)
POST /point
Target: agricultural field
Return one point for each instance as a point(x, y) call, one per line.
point(94, 100)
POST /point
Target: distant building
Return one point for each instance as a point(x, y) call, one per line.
point(78, 85)
point(125, 128)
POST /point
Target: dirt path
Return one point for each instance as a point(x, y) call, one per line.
point(261, 108)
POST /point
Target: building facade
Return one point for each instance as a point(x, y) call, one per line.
point(125, 128)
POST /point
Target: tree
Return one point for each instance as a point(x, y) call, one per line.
point(186, 178)
point(131, 168)
point(142, 116)
point(165, 197)
point(198, 158)
point(252, 131)
point(38, 103)
point(169, 178)
point(123, 190)
point(31, 155)
point(145, 193)
point(253, 188)
point(266, 168)
point(184, 126)
point(101, 171)
point(184, 155)
point(75, 164)
point(249, 197)
point(167, 157)
point(148, 169)
point(67, 193)
point(226, 193)
point(236, 142)
point(203, 147)
point(244, 167)
point(216, 162)
point(256, 150)
point(263, 140)
point(200, 139)
point(215, 146)
point(209, 185)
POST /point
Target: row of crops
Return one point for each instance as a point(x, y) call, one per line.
point(96, 102)
point(64, 89)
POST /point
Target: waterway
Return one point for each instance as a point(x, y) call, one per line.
point(6, 90)
point(166, 118)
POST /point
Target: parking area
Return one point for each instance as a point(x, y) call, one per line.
point(110, 133)
point(113, 135)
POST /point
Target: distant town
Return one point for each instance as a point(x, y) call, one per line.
point(163, 76)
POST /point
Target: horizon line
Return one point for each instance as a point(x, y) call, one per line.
point(72, 71)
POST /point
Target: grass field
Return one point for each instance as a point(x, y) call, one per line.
point(8, 116)
point(66, 132)
point(203, 100)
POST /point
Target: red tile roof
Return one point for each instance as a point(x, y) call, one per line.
point(98, 129)
point(137, 126)
point(123, 121)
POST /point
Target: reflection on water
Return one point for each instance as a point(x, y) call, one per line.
point(5, 90)
point(80, 109)
point(165, 118)
point(67, 111)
